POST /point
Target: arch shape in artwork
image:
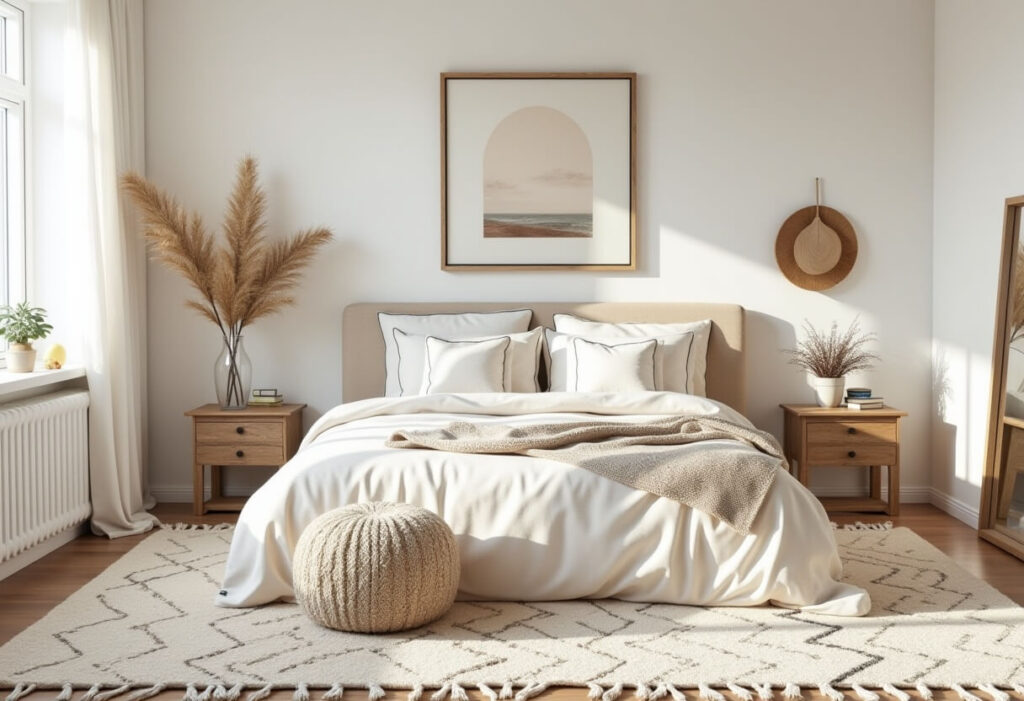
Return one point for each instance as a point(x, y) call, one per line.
point(538, 177)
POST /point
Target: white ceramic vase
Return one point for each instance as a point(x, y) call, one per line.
point(829, 390)
point(21, 357)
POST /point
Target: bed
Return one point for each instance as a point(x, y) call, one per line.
point(532, 528)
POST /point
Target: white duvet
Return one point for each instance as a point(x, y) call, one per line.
point(534, 529)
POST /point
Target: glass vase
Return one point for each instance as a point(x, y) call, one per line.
point(232, 375)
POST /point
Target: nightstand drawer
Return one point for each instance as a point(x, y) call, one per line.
point(852, 454)
point(240, 432)
point(240, 454)
point(850, 432)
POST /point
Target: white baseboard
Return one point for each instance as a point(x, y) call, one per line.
point(908, 495)
point(174, 493)
point(960, 510)
point(36, 552)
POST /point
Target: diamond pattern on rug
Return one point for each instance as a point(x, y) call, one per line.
point(150, 618)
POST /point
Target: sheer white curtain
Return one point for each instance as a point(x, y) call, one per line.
point(103, 134)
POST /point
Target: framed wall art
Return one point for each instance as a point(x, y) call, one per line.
point(538, 171)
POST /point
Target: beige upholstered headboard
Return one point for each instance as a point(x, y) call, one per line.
point(363, 345)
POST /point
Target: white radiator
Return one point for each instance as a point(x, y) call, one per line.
point(44, 468)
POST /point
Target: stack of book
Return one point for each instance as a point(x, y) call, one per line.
point(860, 398)
point(266, 397)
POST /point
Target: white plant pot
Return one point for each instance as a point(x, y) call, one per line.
point(829, 390)
point(21, 357)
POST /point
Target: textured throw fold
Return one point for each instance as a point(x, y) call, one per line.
point(713, 465)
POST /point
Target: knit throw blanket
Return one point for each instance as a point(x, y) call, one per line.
point(727, 478)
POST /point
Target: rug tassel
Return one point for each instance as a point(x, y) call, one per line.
point(334, 693)
point(531, 690)
point(66, 692)
point(861, 526)
point(487, 691)
point(925, 692)
point(900, 694)
point(764, 692)
point(596, 691)
point(190, 694)
point(866, 694)
point(91, 693)
point(995, 693)
point(659, 692)
point(707, 693)
point(234, 693)
point(741, 693)
point(441, 693)
point(677, 695)
point(146, 693)
point(301, 692)
point(206, 694)
point(20, 690)
point(260, 694)
point(827, 690)
point(506, 691)
point(613, 693)
point(791, 691)
point(643, 692)
point(459, 693)
point(964, 693)
point(416, 694)
point(374, 692)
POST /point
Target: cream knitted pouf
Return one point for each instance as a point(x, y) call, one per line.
point(376, 568)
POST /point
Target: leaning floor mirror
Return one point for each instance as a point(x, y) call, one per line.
point(1002, 495)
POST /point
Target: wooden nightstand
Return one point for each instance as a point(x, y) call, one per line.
point(823, 437)
point(257, 436)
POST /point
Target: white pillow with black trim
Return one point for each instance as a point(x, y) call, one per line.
point(683, 347)
point(560, 357)
point(449, 326)
point(521, 371)
point(465, 366)
point(620, 367)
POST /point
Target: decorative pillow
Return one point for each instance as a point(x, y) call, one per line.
point(465, 366)
point(450, 326)
point(520, 372)
point(623, 367)
point(683, 363)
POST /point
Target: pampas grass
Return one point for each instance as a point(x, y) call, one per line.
point(239, 280)
point(833, 354)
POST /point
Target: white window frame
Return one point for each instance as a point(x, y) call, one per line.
point(14, 96)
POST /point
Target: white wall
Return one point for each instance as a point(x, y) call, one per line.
point(979, 161)
point(741, 105)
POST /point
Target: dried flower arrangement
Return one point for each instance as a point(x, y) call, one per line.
point(238, 283)
point(833, 354)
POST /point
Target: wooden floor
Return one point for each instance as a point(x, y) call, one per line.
point(28, 595)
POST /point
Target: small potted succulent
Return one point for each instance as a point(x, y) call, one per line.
point(829, 357)
point(21, 325)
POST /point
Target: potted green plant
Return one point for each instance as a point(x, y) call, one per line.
point(21, 325)
point(829, 357)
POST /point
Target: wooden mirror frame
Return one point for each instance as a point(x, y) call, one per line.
point(998, 422)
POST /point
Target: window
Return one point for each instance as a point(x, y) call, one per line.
point(13, 106)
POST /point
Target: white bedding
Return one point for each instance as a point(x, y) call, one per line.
point(533, 529)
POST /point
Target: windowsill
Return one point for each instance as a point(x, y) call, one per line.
point(11, 382)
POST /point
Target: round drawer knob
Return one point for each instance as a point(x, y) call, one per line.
point(850, 430)
point(852, 453)
point(239, 453)
point(241, 429)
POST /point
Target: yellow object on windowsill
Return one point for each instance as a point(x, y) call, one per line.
point(55, 357)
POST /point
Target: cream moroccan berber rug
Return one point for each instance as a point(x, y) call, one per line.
point(149, 622)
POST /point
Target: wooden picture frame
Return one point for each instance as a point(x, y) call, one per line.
point(538, 171)
point(1001, 426)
